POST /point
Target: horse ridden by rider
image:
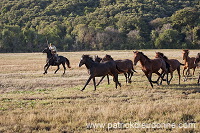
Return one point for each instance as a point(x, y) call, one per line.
point(54, 52)
point(54, 60)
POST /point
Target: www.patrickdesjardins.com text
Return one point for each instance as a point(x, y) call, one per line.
point(120, 125)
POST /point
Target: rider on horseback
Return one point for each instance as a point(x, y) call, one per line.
point(54, 52)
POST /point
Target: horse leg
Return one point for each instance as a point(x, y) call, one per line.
point(116, 81)
point(126, 76)
point(149, 78)
point(58, 67)
point(63, 64)
point(193, 70)
point(171, 73)
point(45, 71)
point(94, 84)
point(184, 71)
point(108, 79)
point(45, 66)
point(130, 74)
point(167, 78)
point(159, 76)
point(87, 83)
point(179, 75)
point(100, 80)
point(186, 74)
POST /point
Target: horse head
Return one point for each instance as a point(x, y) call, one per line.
point(185, 53)
point(107, 58)
point(159, 55)
point(97, 58)
point(137, 56)
point(46, 50)
point(84, 60)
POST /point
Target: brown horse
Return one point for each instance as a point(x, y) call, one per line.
point(126, 65)
point(96, 69)
point(99, 59)
point(174, 65)
point(197, 60)
point(188, 63)
point(150, 66)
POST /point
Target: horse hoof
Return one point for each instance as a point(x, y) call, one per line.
point(120, 85)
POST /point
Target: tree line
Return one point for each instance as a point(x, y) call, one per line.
point(72, 25)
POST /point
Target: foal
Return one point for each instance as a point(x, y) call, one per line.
point(189, 63)
point(96, 69)
point(150, 66)
point(174, 65)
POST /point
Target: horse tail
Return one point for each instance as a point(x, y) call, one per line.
point(133, 70)
point(68, 63)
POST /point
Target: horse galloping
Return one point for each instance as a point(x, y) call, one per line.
point(150, 66)
point(189, 63)
point(96, 69)
point(99, 59)
point(51, 61)
point(126, 65)
point(174, 65)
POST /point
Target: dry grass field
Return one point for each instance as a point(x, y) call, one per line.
point(31, 102)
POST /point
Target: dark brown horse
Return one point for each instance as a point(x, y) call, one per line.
point(188, 63)
point(99, 59)
point(51, 61)
point(174, 65)
point(197, 60)
point(96, 69)
point(126, 65)
point(150, 66)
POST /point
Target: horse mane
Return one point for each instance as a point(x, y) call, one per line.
point(144, 55)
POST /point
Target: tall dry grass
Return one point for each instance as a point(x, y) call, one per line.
point(33, 102)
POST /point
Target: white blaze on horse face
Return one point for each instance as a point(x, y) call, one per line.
point(81, 62)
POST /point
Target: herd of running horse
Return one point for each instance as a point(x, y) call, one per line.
point(101, 67)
